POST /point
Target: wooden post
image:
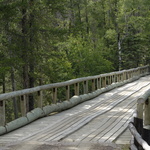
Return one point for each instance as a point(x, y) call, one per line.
point(122, 78)
point(147, 112)
point(76, 87)
point(104, 82)
point(109, 80)
point(140, 117)
point(54, 95)
point(117, 77)
point(23, 105)
point(40, 99)
point(138, 122)
point(114, 78)
point(67, 92)
point(127, 75)
point(85, 87)
point(98, 83)
point(93, 85)
point(2, 113)
point(146, 129)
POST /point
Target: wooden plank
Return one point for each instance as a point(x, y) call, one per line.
point(104, 121)
point(124, 138)
point(105, 131)
point(70, 130)
point(74, 124)
point(120, 130)
point(115, 100)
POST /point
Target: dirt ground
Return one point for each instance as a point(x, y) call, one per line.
point(31, 145)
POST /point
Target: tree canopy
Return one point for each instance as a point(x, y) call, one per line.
point(44, 41)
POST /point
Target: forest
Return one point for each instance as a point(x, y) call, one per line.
point(43, 41)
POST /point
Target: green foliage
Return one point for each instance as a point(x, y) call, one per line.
point(84, 59)
point(66, 39)
point(44, 41)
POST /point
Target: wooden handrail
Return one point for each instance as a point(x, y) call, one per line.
point(97, 82)
point(140, 128)
point(138, 137)
point(63, 84)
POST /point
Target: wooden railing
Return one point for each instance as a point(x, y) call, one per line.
point(81, 86)
point(140, 127)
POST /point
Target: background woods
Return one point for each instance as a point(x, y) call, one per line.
point(45, 41)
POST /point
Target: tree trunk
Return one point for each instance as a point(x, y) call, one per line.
point(31, 62)
point(24, 54)
point(4, 86)
point(86, 17)
point(14, 89)
point(119, 52)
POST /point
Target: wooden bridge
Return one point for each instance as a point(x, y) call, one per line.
point(96, 117)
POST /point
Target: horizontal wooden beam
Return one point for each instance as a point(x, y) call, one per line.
point(138, 137)
point(63, 84)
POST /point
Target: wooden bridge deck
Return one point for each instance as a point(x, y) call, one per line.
point(103, 119)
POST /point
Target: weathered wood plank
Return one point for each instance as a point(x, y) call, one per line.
point(75, 121)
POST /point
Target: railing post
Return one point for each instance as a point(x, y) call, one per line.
point(98, 83)
point(76, 87)
point(85, 87)
point(23, 105)
point(124, 76)
point(54, 95)
point(2, 113)
point(93, 85)
point(109, 80)
point(121, 79)
point(114, 78)
point(67, 92)
point(40, 99)
point(104, 82)
point(118, 76)
point(138, 122)
point(146, 129)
